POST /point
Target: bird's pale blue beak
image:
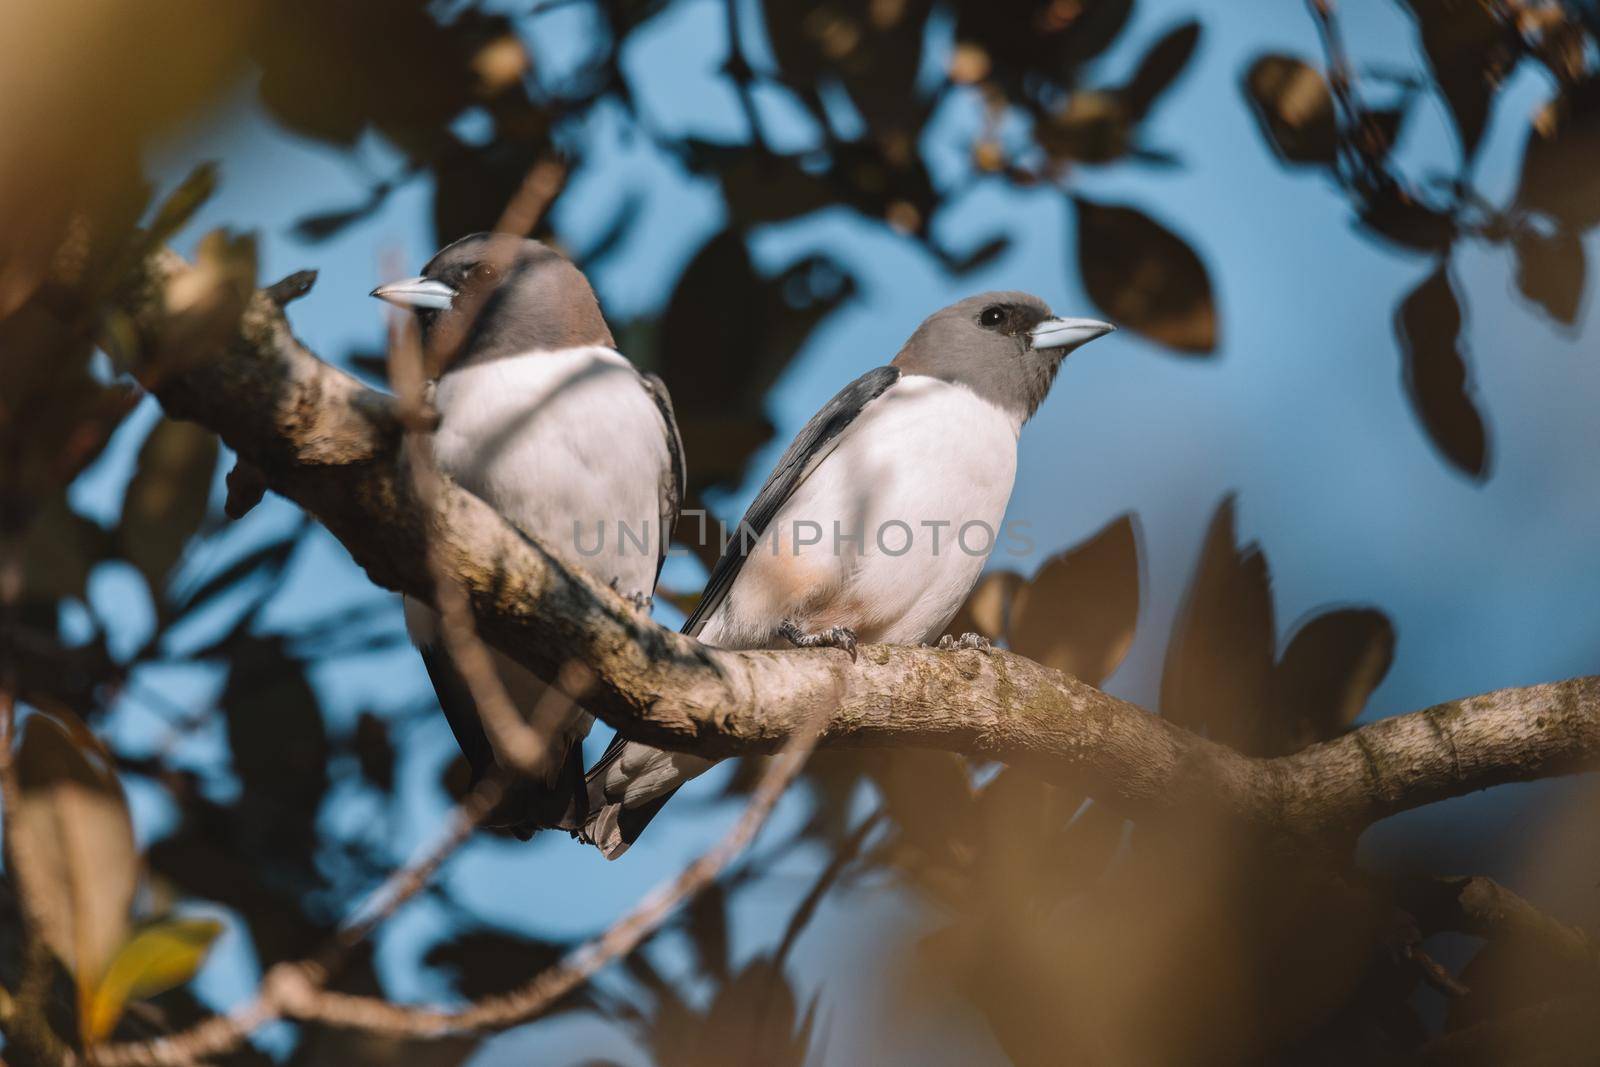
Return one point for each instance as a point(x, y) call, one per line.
point(1068, 333)
point(416, 293)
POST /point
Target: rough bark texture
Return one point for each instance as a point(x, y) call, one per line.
point(330, 444)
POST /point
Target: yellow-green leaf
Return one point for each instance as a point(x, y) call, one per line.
point(159, 957)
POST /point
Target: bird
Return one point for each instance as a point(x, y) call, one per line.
point(541, 417)
point(876, 522)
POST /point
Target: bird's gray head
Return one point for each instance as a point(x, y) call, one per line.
point(487, 296)
point(1006, 347)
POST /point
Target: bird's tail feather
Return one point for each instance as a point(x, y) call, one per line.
point(613, 827)
point(625, 789)
point(530, 806)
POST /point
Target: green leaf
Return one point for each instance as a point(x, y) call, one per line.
point(157, 958)
point(74, 849)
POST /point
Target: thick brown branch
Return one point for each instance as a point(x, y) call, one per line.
point(332, 445)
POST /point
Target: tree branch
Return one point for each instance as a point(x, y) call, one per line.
point(1484, 908)
point(333, 446)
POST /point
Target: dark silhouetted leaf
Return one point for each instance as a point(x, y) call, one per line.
point(483, 963)
point(1550, 271)
point(1428, 325)
point(75, 851)
point(981, 256)
point(1469, 50)
point(1387, 122)
point(167, 497)
point(57, 417)
point(375, 751)
point(154, 960)
point(1079, 611)
point(706, 923)
point(1098, 125)
point(279, 742)
point(1145, 277)
point(754, 1018)
point(724, 337)
point(1558, 172)
point(1159, 68)
point(59, 547)
point(326, 224)
point(1294, 106)
point(928, 795)
point(1218, 672)
point(1091, 126)
point(1040, 40)
point(1332, 665)
point(1393, 213)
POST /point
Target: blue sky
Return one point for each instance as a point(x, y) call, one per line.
point(1301, 411)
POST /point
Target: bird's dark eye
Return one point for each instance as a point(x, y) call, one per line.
point(992, 316)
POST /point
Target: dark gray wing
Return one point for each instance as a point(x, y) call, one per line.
point(525, 806)
point(672, 502)
point(455, 700)
point(812, 442)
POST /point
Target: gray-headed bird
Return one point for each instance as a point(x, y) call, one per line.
point(876, 522)
point(542, 418)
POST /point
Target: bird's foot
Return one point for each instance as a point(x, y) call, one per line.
point(833, 637)
point(977, 642)
point(641, 601)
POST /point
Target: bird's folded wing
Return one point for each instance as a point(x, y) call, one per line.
point(672, 496)
point(813, 443)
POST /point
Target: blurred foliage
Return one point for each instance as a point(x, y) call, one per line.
point(1075, 936)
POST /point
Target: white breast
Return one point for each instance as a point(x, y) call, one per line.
point(923, 462)
point(570, 447)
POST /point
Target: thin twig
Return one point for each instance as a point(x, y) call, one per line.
point(410, 880)
point(1435, 973)
point(290, 983)
point(578, 966)
point(294, 990)
point(1361, 141)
